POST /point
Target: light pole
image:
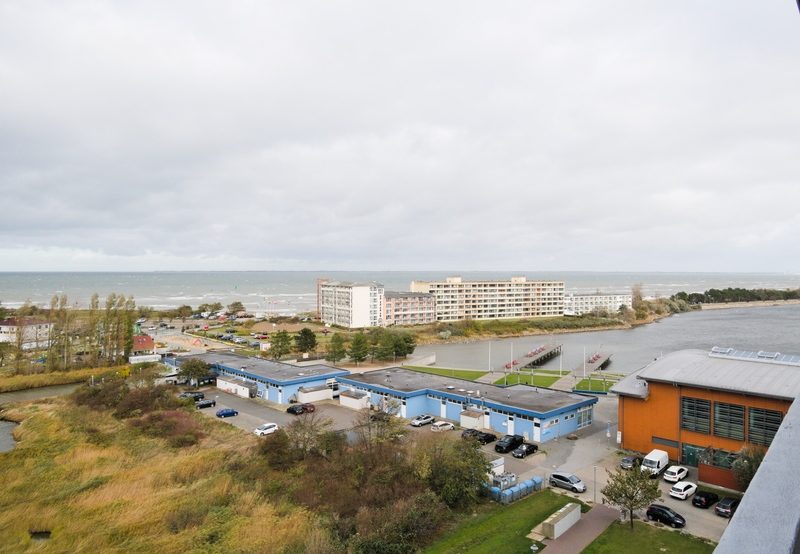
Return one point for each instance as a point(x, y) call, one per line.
point(595, 484)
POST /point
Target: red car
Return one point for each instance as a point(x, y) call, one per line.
point(298, 409)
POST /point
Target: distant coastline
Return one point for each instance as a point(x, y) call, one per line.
point(753, 304)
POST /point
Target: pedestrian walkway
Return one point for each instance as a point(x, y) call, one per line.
point(565, 383)
point(491, 377)
point(582, 534)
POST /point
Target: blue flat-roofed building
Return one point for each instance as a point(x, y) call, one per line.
point(275, 381)
point(539, 414)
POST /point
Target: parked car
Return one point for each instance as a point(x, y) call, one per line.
point(480, 436)
point(442, 426)
point(508, 443)
point(207, 403)
point(567, 481)
point(524, 450)
point(240, 340)
point(630, 462)
point(704, 499)
point(675, 474)
point(255, 344)
point(266, 429)
point(682, 490)
point(193, 395)
point(227, 412)
point(422, 419)
point(726, 507)
point(667, 516)
point(298, 409)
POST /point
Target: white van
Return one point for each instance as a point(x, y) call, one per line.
point(655, 462)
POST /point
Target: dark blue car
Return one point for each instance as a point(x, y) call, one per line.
point(227, 412)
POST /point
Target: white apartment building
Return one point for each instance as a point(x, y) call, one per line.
point(29, 334)
point(351, 305)
point(408, 308)
point(457, 299)
point(578, 304)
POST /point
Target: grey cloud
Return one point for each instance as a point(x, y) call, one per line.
point(376, 135)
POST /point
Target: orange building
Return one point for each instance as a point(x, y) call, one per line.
point(703, 407)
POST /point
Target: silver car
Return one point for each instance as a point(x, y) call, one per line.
point(567, 481)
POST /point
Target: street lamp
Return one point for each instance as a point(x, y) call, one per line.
point(595, 484)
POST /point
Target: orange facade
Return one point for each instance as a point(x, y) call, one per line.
point(654, 422)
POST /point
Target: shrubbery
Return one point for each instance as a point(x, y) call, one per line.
point(177, 427)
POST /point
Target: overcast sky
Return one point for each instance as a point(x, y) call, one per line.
point(582, 135)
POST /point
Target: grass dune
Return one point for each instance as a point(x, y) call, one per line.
point(100, 486)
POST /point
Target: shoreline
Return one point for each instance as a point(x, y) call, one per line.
point(751, 304)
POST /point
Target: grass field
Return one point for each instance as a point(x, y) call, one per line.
point(535, 380)
point(501, 529)
point(99, 485)
point(469, 375)
point(596, 385)
point(36, 380)
point(646, 539)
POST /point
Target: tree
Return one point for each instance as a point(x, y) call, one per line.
point(305, 433)
point(305, 340)
point(386, 348)
point(193, 369)
point(235, 307)
point(281, 345)
point(454, 470)
point(631, 490)
point(183, 312)
point(747, 463)
point(3, 311)
point(359, 348)
point(336, 349)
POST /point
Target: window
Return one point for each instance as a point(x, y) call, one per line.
point(695, 415)
point(762, 425)
point(729, 421)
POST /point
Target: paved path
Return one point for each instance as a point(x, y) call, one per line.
point(591, 525)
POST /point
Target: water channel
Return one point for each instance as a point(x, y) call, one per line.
point(775, 328)
point(7, 427)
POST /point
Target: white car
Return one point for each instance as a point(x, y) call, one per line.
point(442, 426)
point(683, 490)
point(266, 429)
point(420, 420)
point(675, 474)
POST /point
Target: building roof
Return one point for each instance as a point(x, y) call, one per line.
point(732, 371)
point(278, 372)
point(25, 321)
point(533, 399)
point(143, 342)
point(350, 284)
point(395, 294)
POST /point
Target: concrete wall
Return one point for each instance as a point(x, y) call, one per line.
point(354, 403)
point(315, 395)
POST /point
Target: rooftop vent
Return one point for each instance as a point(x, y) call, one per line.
point(721, 350)
point(462, 390)
point(449, 387)
point(770, 355)
point(301, 373)
point(470, 392)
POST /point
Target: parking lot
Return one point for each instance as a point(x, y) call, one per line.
point(253, 412)
point(588, 457)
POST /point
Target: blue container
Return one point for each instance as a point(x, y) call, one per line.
point(494, 493)
point(537, 483)
point(505, 496)
point(528, 484)
point(518, 491)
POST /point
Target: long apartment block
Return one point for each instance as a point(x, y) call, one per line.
point(457, 299)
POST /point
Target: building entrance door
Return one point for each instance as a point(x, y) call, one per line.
point(510, 425)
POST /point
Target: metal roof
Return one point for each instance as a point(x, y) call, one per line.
point(268, 369)
point(742, 372)
point(767, 520)
point(534, 399)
